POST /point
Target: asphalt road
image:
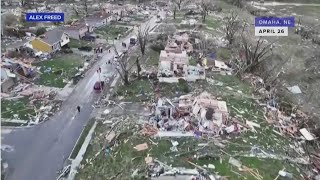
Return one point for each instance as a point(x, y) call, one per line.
point(37, 153)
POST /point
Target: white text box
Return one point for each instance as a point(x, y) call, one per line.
point(271, 31)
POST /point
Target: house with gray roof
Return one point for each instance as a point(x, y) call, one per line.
point(51, 41)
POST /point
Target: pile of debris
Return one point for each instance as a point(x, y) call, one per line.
point(158, 169)
point(203, 115)
point(37, 95)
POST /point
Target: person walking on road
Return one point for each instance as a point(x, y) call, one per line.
point(78, 107)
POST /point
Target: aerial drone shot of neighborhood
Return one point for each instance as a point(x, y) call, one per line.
point(160, 89)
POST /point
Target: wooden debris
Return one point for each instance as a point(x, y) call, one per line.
point(141, 147)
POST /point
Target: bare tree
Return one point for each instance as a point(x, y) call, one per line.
point(252, 54)
point(174, 11)
point(205, 6)
point(143, 37)
point(46, 3)
point(74, 8)
point(23, 3)
point(138, 67)
point(100, 4)
point(231, 27)
point(178, 3)
point(123, 67)
point(85, 6)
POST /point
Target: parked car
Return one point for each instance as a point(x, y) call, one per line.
point(133, 40)
point(85, 48)
point(88, 38)
point(98, 86)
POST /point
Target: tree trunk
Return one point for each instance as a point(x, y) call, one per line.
point(126, 78)
point(204, 15)
point(174, 13)
point(138, 67)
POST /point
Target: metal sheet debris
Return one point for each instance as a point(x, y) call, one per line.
point(295, 89)
point(306, 134)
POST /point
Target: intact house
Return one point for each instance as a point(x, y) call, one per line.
point(77, 30)
point(99, 19)
point(51, 41)
point(7, 80)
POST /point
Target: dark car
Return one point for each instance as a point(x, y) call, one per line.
point(132, 41)
point(85, 48)
point(89, 38)
point(98, 86)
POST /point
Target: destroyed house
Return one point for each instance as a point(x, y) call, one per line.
point(173, 64)
point(77, 30)
point(173, 47)
point(7, 80)
point(210, 110)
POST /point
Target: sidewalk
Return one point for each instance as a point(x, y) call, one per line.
point(76, 162)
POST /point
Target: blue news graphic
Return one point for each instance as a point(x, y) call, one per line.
point(274, 22)
point(45, 17)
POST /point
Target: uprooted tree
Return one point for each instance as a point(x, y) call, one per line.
point(124, 66)
point(252, 54)
point(231, 27)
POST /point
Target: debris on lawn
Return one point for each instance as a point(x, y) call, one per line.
point(141, 147)
point(187, 115)
point(41, 99)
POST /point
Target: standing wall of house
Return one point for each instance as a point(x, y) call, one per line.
point(6, 85)
point(56, 46)
point(41, 46)
point(64, 39)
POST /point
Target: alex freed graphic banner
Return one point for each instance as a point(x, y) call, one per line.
point(45, 17)
point(273, 26)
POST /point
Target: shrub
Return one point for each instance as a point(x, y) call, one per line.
point(41, 31)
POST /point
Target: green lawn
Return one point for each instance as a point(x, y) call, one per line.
point(193, 61)
point(20, 107)
point(152, 57)
point(224, 54)
point(63, 69)
point(134, 91)
point(212, 23)
point(110, 32)
point(79, 43)
point(138, 18)
point(124, 159)
point(81, 139)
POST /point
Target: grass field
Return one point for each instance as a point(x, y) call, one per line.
point(20, 107)
point(63, 68)
point(111, 32)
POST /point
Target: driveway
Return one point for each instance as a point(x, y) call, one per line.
point(38, 152)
